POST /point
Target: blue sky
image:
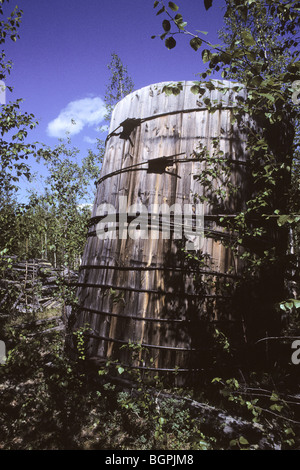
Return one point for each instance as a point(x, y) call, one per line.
point(60, 61)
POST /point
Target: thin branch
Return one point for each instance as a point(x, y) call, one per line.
point(277, 338)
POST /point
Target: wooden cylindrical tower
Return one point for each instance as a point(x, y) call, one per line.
point(141, 282)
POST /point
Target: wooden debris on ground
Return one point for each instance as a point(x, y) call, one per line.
point(31, 287)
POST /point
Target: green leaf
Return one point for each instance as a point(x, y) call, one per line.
point(195, 43)
point(248, 38)
point(155, 4)
point(208, 4)
point(206, 56)
point(179, 21)
point(176, 91)
point(274, 397)
point(289, 304)
point(289, 431)
point(216, 379)
point(173, 6)
point(243, 441)
point(276, 408)
point(195, 89)
point(256, 81)
point(182, 25)
point(178, 18)
point(268, 96)
point(166, 25)
point(160, 11)
point(170, 43)
point(283, 219)
point(167, 90)
point(120, 370)
point(244, 13)
point(211, 87)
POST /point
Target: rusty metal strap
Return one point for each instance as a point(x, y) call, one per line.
point(165, 161)
point(149, 291)
point(160, 268)
point(144, 345)
point(159, 165)
point(154, 217)
point(130, 124)
point(213, 234)
point(174, 223)
point(159, 320)
point(133, 317)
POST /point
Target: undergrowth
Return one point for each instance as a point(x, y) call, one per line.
point(48, 401)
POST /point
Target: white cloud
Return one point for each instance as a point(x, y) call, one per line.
point(76, 115)
point(89, 140)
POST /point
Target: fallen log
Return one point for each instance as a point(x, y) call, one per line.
point(37, 322)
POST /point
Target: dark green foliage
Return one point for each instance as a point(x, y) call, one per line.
point(14, 151)
point(50, 402)
point(14, 125)
point(170, 43)
point(196, 43)
point(208, 4)
point(60, 215)
point(120, 84)
point(260, 50)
